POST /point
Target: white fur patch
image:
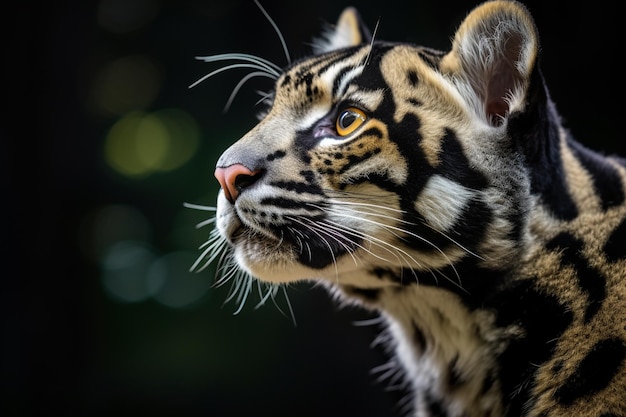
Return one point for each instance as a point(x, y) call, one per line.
point(346, 79)
point(453, 335)
point(315, 114)
point(442, 202)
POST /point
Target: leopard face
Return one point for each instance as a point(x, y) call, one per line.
point(350, 172)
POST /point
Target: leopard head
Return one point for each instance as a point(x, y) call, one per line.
point(377, 155)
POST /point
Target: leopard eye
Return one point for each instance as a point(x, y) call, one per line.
point(349, 120)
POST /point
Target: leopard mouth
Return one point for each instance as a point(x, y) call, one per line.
point(301, 237)
point(306, 245)
point(236, 225)
point(316, 249)
point(244, 230)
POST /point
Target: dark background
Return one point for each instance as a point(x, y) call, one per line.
point(99, 315)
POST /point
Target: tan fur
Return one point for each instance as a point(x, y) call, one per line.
point(362, 186)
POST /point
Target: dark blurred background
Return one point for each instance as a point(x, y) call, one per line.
point(101, 143)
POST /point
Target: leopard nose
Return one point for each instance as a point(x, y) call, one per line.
point(234, 179)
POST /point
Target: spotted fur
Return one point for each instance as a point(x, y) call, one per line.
point(491, 242)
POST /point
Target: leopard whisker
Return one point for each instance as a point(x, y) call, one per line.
point(276, 29)
point(210, 220)
point(371, 45)
point(359, 234)
point(376, 214)
point(228, 270)
point(400, 220)
point(342, 194)
point(316, 232)
point(212, 248)
point(374, 206)
point(407, 222)
point(245, 288)
point(237, 281)
point(342, 229)
point(393, 230)
point(270, 294)
point(270, 290)
point(399, 254)
point(268, 65)
point(334, 236)
point(291, 313)
point(233, 66)
point(206, 222)
point(240, 84)
point(282, 238)
point(199, 207)
point(392, 374)
point(376, 321)
point(265, 97)
point(460, 246)
point(216, 248)
point(299, 236)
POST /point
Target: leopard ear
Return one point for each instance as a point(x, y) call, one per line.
point(349, 31)
point(494, 52)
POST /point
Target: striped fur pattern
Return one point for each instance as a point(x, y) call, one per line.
point(441, 190)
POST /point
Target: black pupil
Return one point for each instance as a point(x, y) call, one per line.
point(347, 118)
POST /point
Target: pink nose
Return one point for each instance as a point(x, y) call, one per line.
point(233, 179)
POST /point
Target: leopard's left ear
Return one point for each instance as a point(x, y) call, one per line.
point(349, 31)
point(494, 52)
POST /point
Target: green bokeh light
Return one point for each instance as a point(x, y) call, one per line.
point(141, 143)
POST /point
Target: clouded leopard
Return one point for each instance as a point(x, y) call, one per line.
point(440, 190)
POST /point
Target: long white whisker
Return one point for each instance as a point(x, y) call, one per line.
point(343, 229)
point(227, 268)
point(280, 35)
point(367, 57)
point(401, 255)
point(301, 241)
point(298, 235)
point(215, 245)
point(240, 84)
point(454, 241)
point(369, 322)
point(399, 211)
point(337, 237)
point(245, 288)
point(265, 96)
point(373, 213)
point(264, 297)
point(214, 237)
point(206, 222)
point(217, 250)
point(226, 276)
point(229, 67)
point(390, 228)
point(393, 230)
point(291, 313)
point(203, 223)
point(398, 253)
point(214, 250)
point(199, 207)
point(330, 249)
point(375, 210)
point(235, 288)
point(262, 62)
